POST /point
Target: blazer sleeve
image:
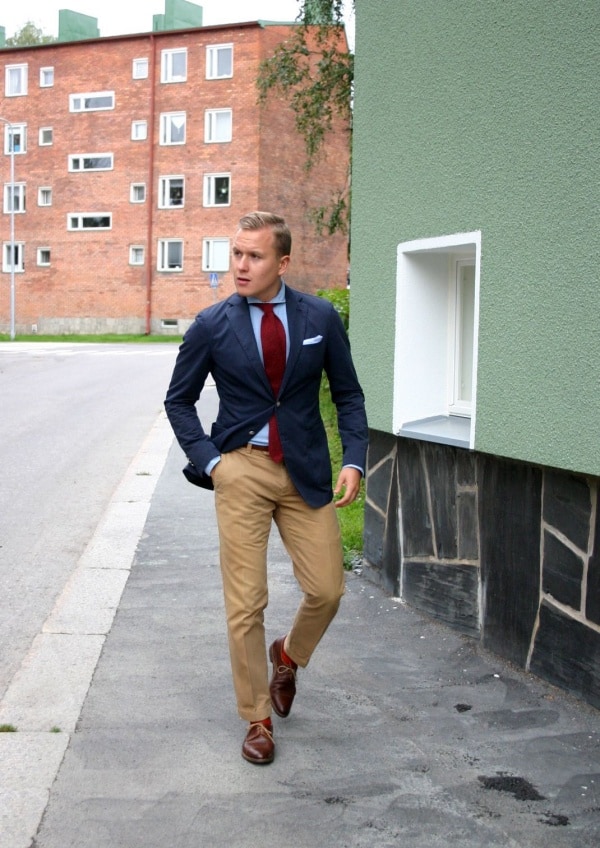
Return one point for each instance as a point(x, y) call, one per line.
point(192, 367)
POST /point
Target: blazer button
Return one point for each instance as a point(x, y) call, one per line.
point(252, 432)
point(278, 403)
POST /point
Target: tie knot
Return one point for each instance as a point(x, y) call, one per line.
point(267, 308)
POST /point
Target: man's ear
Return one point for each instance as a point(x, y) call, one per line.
point(283, 264)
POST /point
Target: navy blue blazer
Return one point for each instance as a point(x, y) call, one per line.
point(221, 342)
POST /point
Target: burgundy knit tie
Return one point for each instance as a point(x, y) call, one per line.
point(272, 337)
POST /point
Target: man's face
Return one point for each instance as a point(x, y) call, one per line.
point(256, 265)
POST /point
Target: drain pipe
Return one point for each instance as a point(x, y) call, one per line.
point(150, 192)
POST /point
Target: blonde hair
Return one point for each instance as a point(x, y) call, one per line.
point(281, 231)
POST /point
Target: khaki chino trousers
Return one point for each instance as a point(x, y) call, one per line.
point(252, 491)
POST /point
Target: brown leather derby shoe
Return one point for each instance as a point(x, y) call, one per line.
point(283, 682)
point(258, 747)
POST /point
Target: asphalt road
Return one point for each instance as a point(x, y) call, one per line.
point(73, 416)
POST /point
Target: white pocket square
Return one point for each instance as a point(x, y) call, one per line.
point(314, 340)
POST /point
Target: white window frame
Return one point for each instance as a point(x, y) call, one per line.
point(211, 126)
point(137, 254)
point(83, 101)
point(427, 333)
point(9, 134)
point(80, 158)
point(168, 122)
point(136, 189)
point(76, 221)
point(41, 132)
point(139, 68)
point(40, 252)
point(209, 197)
point(47, 77)
point(14, 191)
point(43, 192)
point(162, 260)
point(19, 73)
point(216, 253)
point(167, 57)
point(165, 188)
point(212, 61)
point(19, 257)
point(139, 130)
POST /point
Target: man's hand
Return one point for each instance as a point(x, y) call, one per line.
point(349, 482)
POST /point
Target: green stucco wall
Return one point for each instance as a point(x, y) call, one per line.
point(479, 115)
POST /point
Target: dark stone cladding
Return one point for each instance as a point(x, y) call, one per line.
point(495, 548)
point(567, 653)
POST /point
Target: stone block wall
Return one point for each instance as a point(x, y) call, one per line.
point(505, 552)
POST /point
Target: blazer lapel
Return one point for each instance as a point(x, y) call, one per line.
point(239, 319)
point(297, 313)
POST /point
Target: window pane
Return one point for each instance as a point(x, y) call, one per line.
point(466, 317)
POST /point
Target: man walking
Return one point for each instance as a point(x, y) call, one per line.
point(267, 459)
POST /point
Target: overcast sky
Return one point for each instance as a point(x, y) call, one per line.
point(116, 17)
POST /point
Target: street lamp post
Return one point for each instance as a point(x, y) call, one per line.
point(12, 227)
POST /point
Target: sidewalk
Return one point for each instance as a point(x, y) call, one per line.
point(403, 733)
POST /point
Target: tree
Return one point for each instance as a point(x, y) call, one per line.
point(316, 79)
point(28, 35)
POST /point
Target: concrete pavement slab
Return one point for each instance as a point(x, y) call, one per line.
point(403, 732)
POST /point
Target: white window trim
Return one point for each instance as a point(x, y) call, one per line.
point(74, 156)
point(80, 217)
point(212, 61)
point(163, 247)
point(209, 191)
point(42, 189)
point(139, 68)
point(424, 366)
point(24, 83)
point(166, 65)
point(164, 190)
point(43, 73)
point(209, 262)
point(165, 124)
point(132, 190)
point(43, 143)
point(9, 132)
point(134, 247)
point(18, 190)
point(210, 126)
point(75, 106)
point(139, 130)
point(39, 257)
point(20, 255)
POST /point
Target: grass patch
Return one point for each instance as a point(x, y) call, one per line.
point(351, 517)
point(7, 728)
point(104, 338)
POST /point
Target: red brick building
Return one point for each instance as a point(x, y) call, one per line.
point(134, 158)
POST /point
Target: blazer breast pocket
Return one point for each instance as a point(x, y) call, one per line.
point(313, 341)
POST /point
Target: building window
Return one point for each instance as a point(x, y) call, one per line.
point(15, 138)
point(217, 189)
point(139, 130)
point(217, 125)
point(219, 61)
point(91, 162)
point(136, 254)
point(44, 196)
point(215, 254)
point(89, 221)
point(14, 197)
point(137, 192)
point(437, 312)
point(46, 136)
point(15, 81)
point(8, 255)
point(43, 256)
point(173, 65)
point(46, 77)
point(95, 101)
point(139, 69)
point(172, 128)
point(170, 255)
point(170, 192)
